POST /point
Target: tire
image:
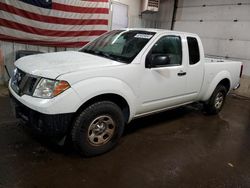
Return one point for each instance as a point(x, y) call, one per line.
point(216, 101)
point(98, 128)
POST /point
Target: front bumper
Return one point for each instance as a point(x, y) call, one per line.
point(66, 102)
point(47, 125)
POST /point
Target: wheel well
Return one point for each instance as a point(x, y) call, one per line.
point(117, 99)
point(225, 82)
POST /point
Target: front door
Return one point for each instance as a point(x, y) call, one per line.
point(164, 86)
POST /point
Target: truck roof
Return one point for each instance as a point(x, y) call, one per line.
point(159, 31)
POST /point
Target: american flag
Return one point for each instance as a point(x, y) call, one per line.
point(61, 23)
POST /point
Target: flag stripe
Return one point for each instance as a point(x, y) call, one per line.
point(50, 19)
point(31, 36)
point(43, 43)
point(54, 13)
point(47, 32)
point(81, 3)
point(58, 23)
point(43, 25)
point(106, 1)
point(70, 8)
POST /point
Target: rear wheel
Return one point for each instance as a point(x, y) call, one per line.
point(216, 101)
point(98, 128)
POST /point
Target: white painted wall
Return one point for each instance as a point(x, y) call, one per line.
point(119, 16)
point(223, 25)
point(134, 10)
point(161, 19)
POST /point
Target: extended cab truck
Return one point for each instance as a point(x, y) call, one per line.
point(89, 95)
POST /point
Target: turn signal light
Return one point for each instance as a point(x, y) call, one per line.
point(60, 87)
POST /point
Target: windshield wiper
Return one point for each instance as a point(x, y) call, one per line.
point(96, 52)
point(112, 56)
point(105, 54)
point(88, 51)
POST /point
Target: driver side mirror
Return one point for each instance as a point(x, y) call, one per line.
point(157, 60)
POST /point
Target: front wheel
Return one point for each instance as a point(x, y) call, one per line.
point(216, 101)
point(98, 128)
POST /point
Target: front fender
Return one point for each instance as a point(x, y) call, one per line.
point(213, 82)
point(90, 88)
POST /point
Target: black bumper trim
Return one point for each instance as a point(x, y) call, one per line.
point(52, 126)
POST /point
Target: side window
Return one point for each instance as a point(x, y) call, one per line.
point(171, 46)
point(194, 52)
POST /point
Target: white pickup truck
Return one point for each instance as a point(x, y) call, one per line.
point(90, 94)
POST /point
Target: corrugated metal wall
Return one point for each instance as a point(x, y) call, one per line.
point(223, 25)
point(9, 51)
point(161, 19)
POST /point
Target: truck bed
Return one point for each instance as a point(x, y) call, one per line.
point(214, 68)
point(216, 60)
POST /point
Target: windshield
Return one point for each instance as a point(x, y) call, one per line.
point(119, 45)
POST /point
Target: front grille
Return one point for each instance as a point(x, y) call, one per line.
point(17, 80)
point(23, 83)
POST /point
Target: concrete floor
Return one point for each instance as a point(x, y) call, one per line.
point(178, 148)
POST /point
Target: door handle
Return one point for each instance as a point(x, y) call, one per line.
point(181, 73)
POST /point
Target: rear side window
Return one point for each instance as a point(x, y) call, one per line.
point(194, 52)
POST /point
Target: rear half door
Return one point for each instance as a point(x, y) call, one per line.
point(195, 66)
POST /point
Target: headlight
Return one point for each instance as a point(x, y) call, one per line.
point(47, 88)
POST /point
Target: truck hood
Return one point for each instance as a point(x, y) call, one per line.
point(51, 65)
